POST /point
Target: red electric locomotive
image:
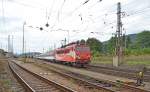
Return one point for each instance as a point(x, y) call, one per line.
point(74, 53)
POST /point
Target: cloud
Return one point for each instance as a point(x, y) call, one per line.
point(93, 16)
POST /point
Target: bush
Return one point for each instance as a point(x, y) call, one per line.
point(96, 54)
point(142, 51)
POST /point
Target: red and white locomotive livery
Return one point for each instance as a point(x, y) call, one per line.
point(74, 53)
point(77, 54)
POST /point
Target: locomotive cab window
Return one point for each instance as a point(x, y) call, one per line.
point(83, 49)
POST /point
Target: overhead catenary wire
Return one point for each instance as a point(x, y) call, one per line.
point(87, 1)
point(80, 17)
point(58, 13)
point(95, 4)
point(141, 11)
point(60, 10)
point(77, 8)
point(51, 9)
point(111, 23)
point(83, 4)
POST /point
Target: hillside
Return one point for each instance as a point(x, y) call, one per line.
point(133, 43)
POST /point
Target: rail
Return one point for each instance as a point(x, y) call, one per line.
point(30, 84)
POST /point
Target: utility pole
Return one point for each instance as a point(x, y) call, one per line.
point(118, 59)
point(9, 46)
point(12, 48)
point(65, 41)
point(8, 43)
point(43, 50)
point(23, 39)
point(54, 46)
point(23, 43)
point(68, 36)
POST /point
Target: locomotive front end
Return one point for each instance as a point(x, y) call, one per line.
point(83, 54)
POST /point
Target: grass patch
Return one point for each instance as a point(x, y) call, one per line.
point(129, 60)
point(138, 63)
point(4, 85)
point(138, 60)
point(7, 82)
point(102, 60)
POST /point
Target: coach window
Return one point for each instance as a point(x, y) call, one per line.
point(61, 52)
point(58, 52)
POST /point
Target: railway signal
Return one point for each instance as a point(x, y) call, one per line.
point(41, 28)
point(47, 25)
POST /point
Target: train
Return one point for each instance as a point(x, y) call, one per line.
point(76, 54)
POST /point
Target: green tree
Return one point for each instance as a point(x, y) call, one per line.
point(126, 41)
point(95, 45)
point(139, 44)
point(143, 39)
point(82, 41)
point(111, 45)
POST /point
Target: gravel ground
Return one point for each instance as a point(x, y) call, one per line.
point(134, 68)
point(7, 81)
point(92, 74)
point(57, 78)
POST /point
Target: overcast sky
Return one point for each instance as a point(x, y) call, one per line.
point(70, 19)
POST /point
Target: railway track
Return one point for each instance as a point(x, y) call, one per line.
point(89, 83)
point(35, 83)
point(84, 83)
point(105, 84)
point(130, 74)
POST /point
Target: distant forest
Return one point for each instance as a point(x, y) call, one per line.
point(134, 44)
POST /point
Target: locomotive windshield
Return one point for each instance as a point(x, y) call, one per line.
point(83, 49)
